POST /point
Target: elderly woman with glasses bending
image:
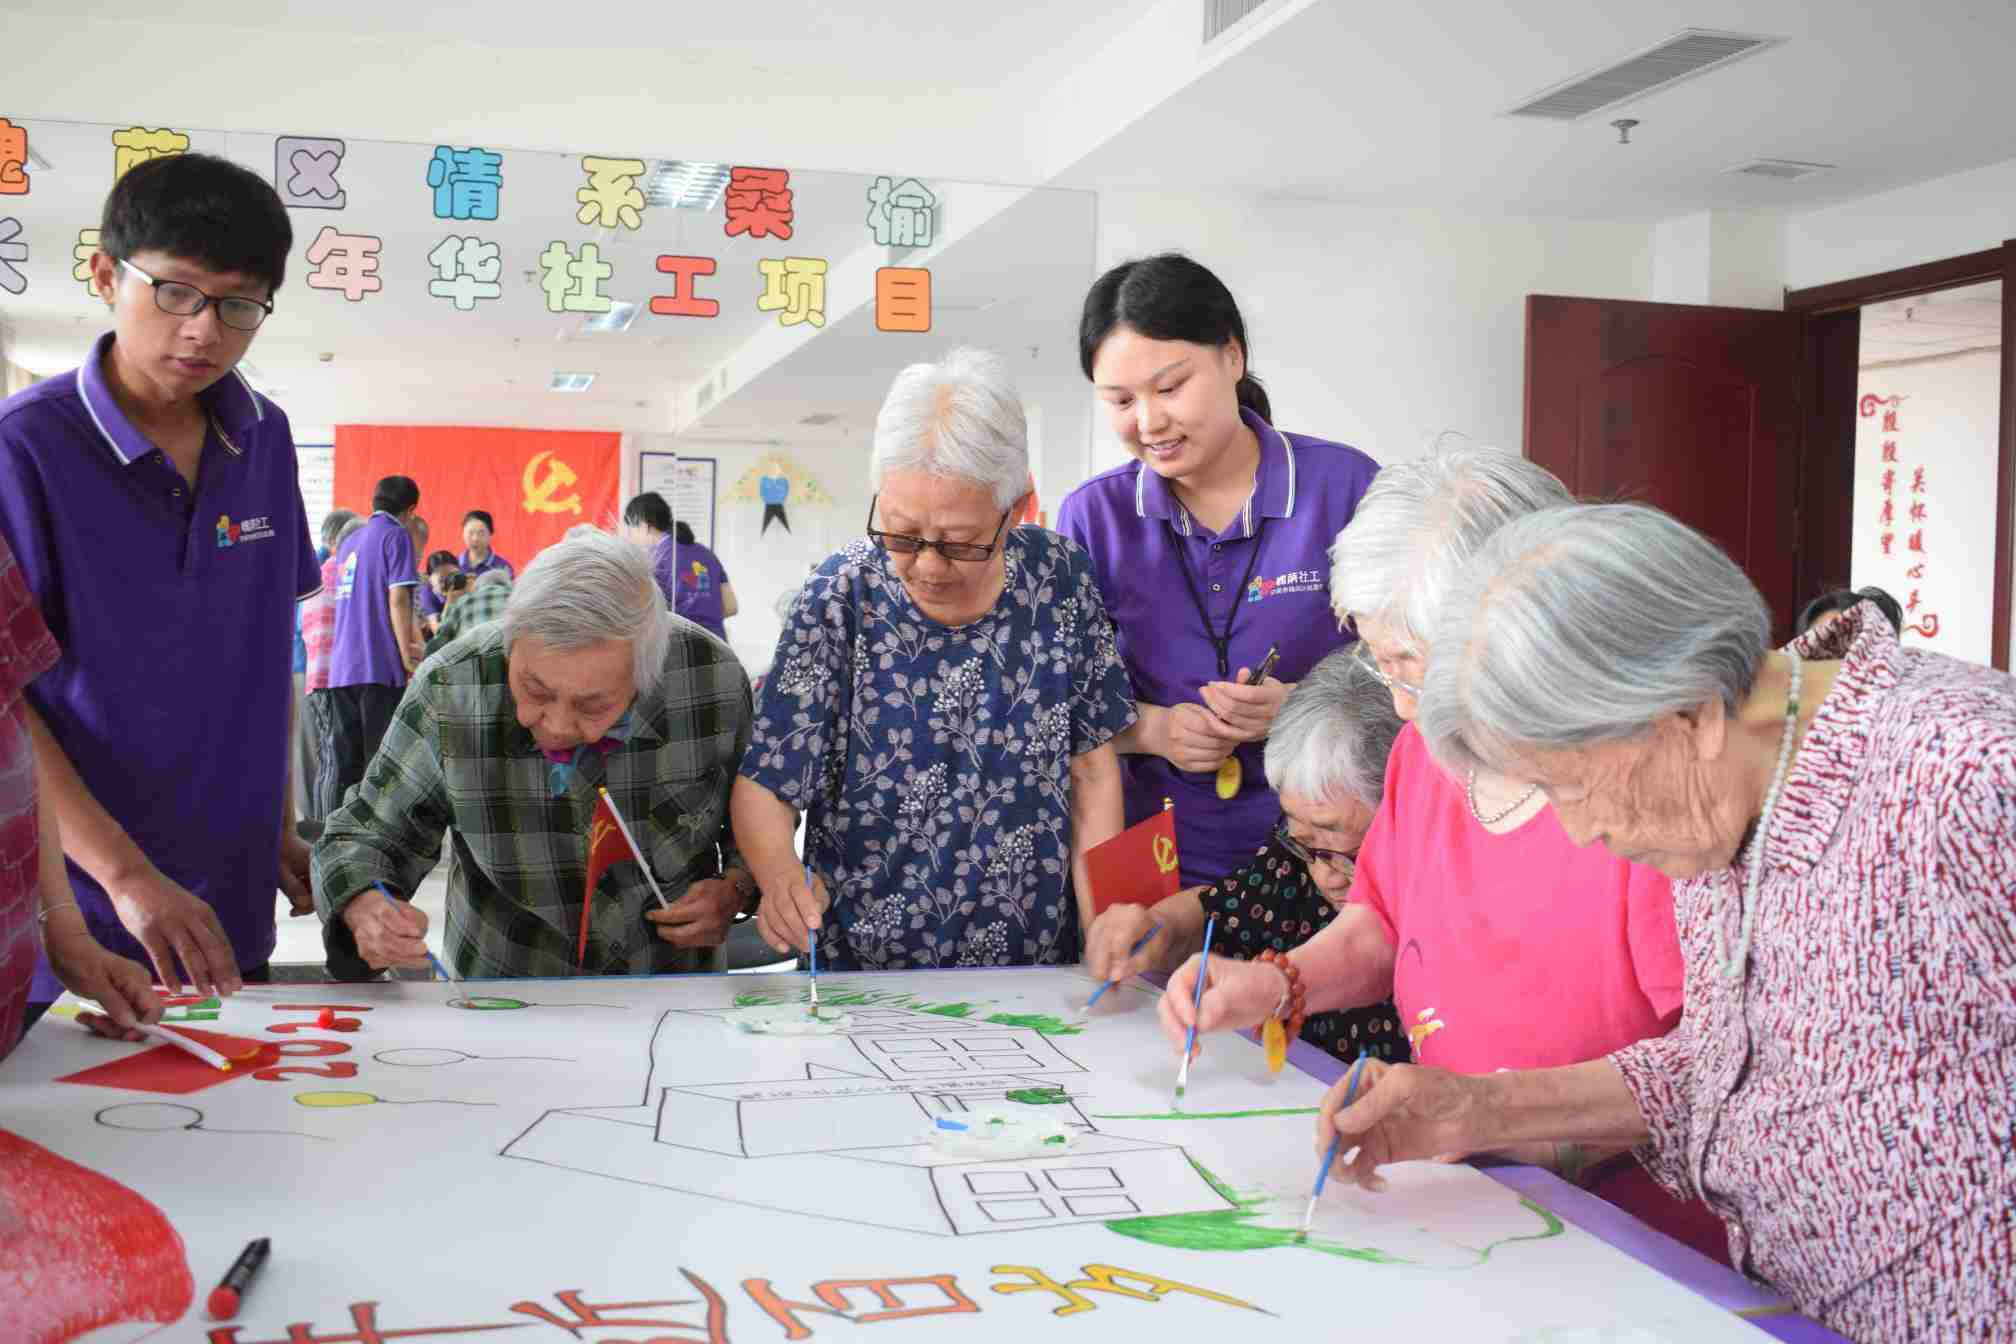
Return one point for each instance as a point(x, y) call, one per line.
point(1839, 819)
point(1326, 758)
point(941, 709)
point(1502, 942)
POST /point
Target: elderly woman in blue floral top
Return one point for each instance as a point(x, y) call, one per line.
point(942, 708)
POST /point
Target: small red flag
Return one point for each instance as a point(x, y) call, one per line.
point(1137, 866)
point(607, 846)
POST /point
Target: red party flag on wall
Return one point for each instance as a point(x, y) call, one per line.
point(1137, 866)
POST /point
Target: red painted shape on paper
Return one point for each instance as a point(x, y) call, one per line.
point(84, 1251)
point(172, 1072)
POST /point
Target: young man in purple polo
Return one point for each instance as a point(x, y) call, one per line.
point(377, 643)
point(152, 499)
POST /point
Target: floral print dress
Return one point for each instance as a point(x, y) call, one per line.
point(1272, 903)
point(933, 764)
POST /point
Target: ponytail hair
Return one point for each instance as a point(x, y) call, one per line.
point(1169, 297)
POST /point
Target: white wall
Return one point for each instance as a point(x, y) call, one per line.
point(1946, 424)
point(1727, 258)
point(1382, 327)
point(1946, 217)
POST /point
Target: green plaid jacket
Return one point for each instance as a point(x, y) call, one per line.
point(483, 605)
point(456, 757)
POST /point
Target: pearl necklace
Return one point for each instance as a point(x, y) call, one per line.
point(1733, 967)
point(1470, 791)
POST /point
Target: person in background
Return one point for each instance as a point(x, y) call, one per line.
point(478, 527)
point(941, 709)
point(306, 763)
point(1326, 758)
point(1838, 818)
point(1824, 609)
point(1210, 546)
point(153, 502)
point(377, 641)
point(430, 595)
point(35, 893)
point(470, 604)
point(503, 743)
point(692, 577)
point(1503, 940)
point(318, 636)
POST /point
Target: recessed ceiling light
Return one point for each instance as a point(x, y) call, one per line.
point(1785, 170)
point(686, 184)
point(571, 382)
point(618, 318)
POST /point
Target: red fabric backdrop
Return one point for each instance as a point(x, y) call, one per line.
point(536, 483)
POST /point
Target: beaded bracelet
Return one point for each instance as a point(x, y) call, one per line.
point(1292, 998)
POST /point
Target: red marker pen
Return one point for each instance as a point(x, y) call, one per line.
point(226, 1296)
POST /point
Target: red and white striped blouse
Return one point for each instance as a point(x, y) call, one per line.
point(1847, 1106)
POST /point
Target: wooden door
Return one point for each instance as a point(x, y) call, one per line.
point(1694, 410)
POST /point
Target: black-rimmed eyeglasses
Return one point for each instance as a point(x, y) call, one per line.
point(1310, 854)
point(968, 552)
point(179, 300)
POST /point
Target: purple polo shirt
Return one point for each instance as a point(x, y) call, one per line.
point(376, 560)
point(691, 577)
point(495, 561)
point(426, 601)
point(175, 609)
point(1131, 524)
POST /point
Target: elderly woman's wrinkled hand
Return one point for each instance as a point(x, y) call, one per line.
point(1238, 994)
point(1401, 1113)
point(789, 913)
point(1113, 936)
point(1246, 710)
point(1197, 740)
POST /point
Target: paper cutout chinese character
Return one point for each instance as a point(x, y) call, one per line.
point(795, 289)
point(1889, 450)
point(346, 262)
point(833, 1301)
point(13, 250)
point(1918, 481)
point(1916, 542)
point(136, 144)
point(1927, 628)
point(304, 172)
point(1889, 422)
point(1889, 513)
point(902, 215)
point(1916, 571)
point(13, 159)
point(1106, 1279)
point(683, 302)
point(611, 196)
point(87, 247)
point(1917, 513)
point(573, 284)
point(759, 202)
point(466, 182)
point(902, 298)
point(466, 270)
point(1912, 603)
point(1886, 539)
point(1889, 481)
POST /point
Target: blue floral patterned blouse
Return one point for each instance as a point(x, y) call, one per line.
point(933, 765)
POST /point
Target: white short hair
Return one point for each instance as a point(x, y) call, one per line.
point(348, 530)
point(1417, 526)
point(492, 578)
point(1585, 624)
point(1334, 732)
point(589, 587)
point(958, 418)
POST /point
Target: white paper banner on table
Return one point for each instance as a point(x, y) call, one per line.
point(568, 1145)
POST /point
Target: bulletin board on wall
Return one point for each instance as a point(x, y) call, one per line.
point(317, 465)
point(688, 486)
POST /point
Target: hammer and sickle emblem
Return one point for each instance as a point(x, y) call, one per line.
point(1165, 854)
point(540, 490)
point(597, 834)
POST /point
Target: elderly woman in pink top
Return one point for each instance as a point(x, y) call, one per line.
point(1503, 942)
point(1840, 817)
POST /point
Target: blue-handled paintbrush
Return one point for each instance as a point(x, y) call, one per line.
point(1190, 1041)
point(1330, 1157)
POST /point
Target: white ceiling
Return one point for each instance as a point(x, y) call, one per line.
point(1401, 104)
point(1945, 323)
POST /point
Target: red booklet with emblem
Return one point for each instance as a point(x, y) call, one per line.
point(1137, 866)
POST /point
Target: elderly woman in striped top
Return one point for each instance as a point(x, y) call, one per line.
point(1840, 819)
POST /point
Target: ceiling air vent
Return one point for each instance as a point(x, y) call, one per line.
point(819, 418)
point(1222, 14)
point(1785, 170)
point(1688, 53)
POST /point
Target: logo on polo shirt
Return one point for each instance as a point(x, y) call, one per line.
point(229, 534)
point(346, 581)
point(1281, 585)
point(697, 579)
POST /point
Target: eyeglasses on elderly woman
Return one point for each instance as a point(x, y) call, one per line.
point(1311, 854)
point(1373, 664)
point(900, 543)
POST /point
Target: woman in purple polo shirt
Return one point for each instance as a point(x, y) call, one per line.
point(477, 557)
point(1211, 548)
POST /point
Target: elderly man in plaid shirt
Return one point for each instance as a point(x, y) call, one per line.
point(481, 603)
point(505, 739)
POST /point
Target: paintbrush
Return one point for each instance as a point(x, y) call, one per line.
point(1330, 1157)
point(1190, 1041)
point(812, 949)
point(440, 971)
point(1132, 952)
